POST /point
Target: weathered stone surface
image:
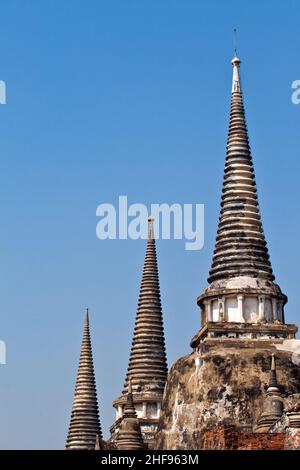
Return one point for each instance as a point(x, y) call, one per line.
point(223, 383)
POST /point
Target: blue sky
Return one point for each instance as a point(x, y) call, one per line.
point(130, 97)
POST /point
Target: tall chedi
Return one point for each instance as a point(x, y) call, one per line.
point(223, 382)
point(85, 430)
point(147, 369)
point(241, 299)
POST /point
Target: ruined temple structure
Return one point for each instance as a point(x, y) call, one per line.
point(147, 369)
point(239, 388)
point(221, 396)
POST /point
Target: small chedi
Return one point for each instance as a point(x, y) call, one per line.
point(239, 389)
point(129, 435)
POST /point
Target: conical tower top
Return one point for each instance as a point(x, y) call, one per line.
point(241, 248)
point(147, 367)
point(85, 422)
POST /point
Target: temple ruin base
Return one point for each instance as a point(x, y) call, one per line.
point(223, 383)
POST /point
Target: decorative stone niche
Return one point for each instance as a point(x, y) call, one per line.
point(215, 310)
point(279, 311)
point(250, 309)
point(152, 410)
point(268, 314)
point(139, 409)
point(232, 309)
point(119, 412)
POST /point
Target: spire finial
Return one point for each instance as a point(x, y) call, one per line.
point(273, 365)
point(273, 377)
point(150, 227)
point(86, 315)
point(235, 41)
point(129, 409)
point(98, 442)
point(236, 85)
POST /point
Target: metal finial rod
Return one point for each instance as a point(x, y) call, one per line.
point(235, 41)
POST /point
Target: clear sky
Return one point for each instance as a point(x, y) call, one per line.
point(126, 97)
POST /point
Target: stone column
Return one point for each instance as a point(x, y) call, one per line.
point(261, 308)
point(274, 309)
point(221, 309)
point(204, 314)
point(280, 311)
point(144, 410)
point(240, 307)
point(209, 311)
point(158, 408)
point(119, 412)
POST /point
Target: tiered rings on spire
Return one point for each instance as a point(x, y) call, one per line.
point(240, 248)
point(85, 423)
point(147, 369)
point(148, 364)
point(241, 299)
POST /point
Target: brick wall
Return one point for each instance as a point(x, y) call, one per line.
point(221, 438)
point(292, 439)
point(252, 441)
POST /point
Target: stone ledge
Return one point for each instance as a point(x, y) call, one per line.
point(251, 331)
point(140, 397)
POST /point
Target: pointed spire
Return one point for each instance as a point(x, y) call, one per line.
point(240, 248)
point(273, 377)
point(98, 443)
point(85, 423)
point(129, 409)
point(129, 436)
point(148, 364)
